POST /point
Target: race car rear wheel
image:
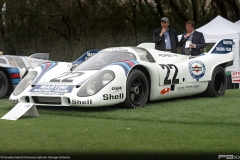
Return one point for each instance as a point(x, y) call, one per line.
point(137, 90)
point(217, 86)
point(4, 85)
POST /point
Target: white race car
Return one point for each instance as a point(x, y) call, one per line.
point(14, 68)
point(129, 76)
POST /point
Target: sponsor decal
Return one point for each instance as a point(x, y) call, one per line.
point(223, 49)
point(112, 96)
point(85, 56)
point(197, 69)
point(75, 101)
point(167, 55)
point(52, 88)
point(224, 46)
point(165, 90)
point(188, 87)
point(116, 89)
point(228, 42)
point(46, 93)
point(89, 54)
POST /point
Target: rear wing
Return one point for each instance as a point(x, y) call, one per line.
point(85, 56)
point(147, 45)
point(44, 56)
point(223, 46)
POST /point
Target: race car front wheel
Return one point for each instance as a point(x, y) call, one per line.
point(4, 85)
point(217, 86)
point(137, 90)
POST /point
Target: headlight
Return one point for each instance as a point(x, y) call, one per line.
point(25, 82)
point(96, 83)
point(107, 77)
point(90, 89)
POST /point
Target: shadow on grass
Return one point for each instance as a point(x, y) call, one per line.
point(79, 109)
point(76, 112)
point(108, 108)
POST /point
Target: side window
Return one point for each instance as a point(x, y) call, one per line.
point(144, 54)
point(3, 61)
point(128, 56)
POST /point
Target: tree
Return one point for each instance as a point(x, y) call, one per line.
point(67, 29)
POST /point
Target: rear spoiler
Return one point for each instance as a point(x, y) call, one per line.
point(44, 56)
point(147, 45)
point(223, 46)
point(85, 56)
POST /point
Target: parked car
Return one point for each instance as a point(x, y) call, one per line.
point(129, 76)
point(14, 68)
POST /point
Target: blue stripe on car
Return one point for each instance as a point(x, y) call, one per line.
point(126, 65)
point(45, 67)
point(14, 74)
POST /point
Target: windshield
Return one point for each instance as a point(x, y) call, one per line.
point(104, 58)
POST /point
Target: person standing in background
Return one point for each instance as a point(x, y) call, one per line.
point(192, 41)
point(165, 38)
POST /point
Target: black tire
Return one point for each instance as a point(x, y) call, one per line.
point(4, 85)
point(217, 86)
point(137, 90)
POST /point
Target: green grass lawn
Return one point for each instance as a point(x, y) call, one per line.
point(178, 126)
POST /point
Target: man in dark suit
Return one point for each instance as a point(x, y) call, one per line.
point(192, 41)
point(165, 38)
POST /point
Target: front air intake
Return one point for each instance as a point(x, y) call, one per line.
point(47, 100)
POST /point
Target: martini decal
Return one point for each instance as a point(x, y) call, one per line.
point(197, 69)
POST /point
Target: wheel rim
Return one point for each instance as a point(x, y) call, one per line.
point(137, 90)
point(219, 83)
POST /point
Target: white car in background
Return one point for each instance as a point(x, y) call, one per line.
point(14, 68)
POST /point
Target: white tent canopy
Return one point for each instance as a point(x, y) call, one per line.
point(221, 28)
point(238, 23)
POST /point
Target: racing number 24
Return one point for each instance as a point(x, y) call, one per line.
point(169, 67)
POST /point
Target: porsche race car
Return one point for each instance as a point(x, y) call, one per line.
point(129, 76)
